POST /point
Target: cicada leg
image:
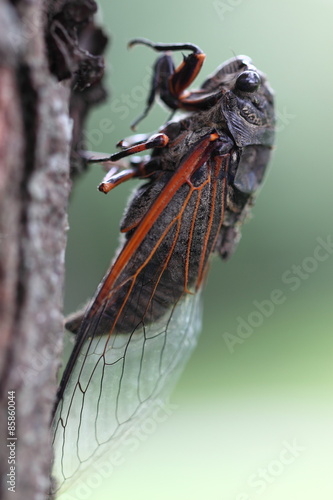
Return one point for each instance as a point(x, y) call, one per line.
point(117, 174)
point(169, 82)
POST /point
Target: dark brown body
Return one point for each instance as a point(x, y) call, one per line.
point(199, 185)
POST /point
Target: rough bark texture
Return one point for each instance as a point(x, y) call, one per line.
point(36, 45)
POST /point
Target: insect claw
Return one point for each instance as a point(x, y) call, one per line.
point(105, 187)
point(122, 144)
point(157, 141)
point(138, 120)
point(142, 41)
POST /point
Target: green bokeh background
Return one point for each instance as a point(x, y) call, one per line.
point(235, 410)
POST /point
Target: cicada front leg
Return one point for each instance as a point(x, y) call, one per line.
point(168, 81)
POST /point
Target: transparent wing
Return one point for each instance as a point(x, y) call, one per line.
point(117, 382)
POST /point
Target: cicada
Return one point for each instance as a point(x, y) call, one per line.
point(199, 183)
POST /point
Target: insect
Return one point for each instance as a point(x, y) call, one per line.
point(199, 184)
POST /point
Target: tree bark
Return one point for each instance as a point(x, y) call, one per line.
point(35, 138)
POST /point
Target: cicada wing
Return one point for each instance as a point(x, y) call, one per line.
point(113, 387)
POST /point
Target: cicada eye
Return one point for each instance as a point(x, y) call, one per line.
point(248, 81)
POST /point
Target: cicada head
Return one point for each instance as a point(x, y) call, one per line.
point(247, 101)
point(248, 106)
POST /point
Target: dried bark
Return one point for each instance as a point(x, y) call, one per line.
point(39, 71)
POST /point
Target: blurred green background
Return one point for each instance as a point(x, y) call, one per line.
point(238, 408)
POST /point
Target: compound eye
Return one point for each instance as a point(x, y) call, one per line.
point(248, 81)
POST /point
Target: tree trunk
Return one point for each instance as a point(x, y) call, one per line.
point(36, 46)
